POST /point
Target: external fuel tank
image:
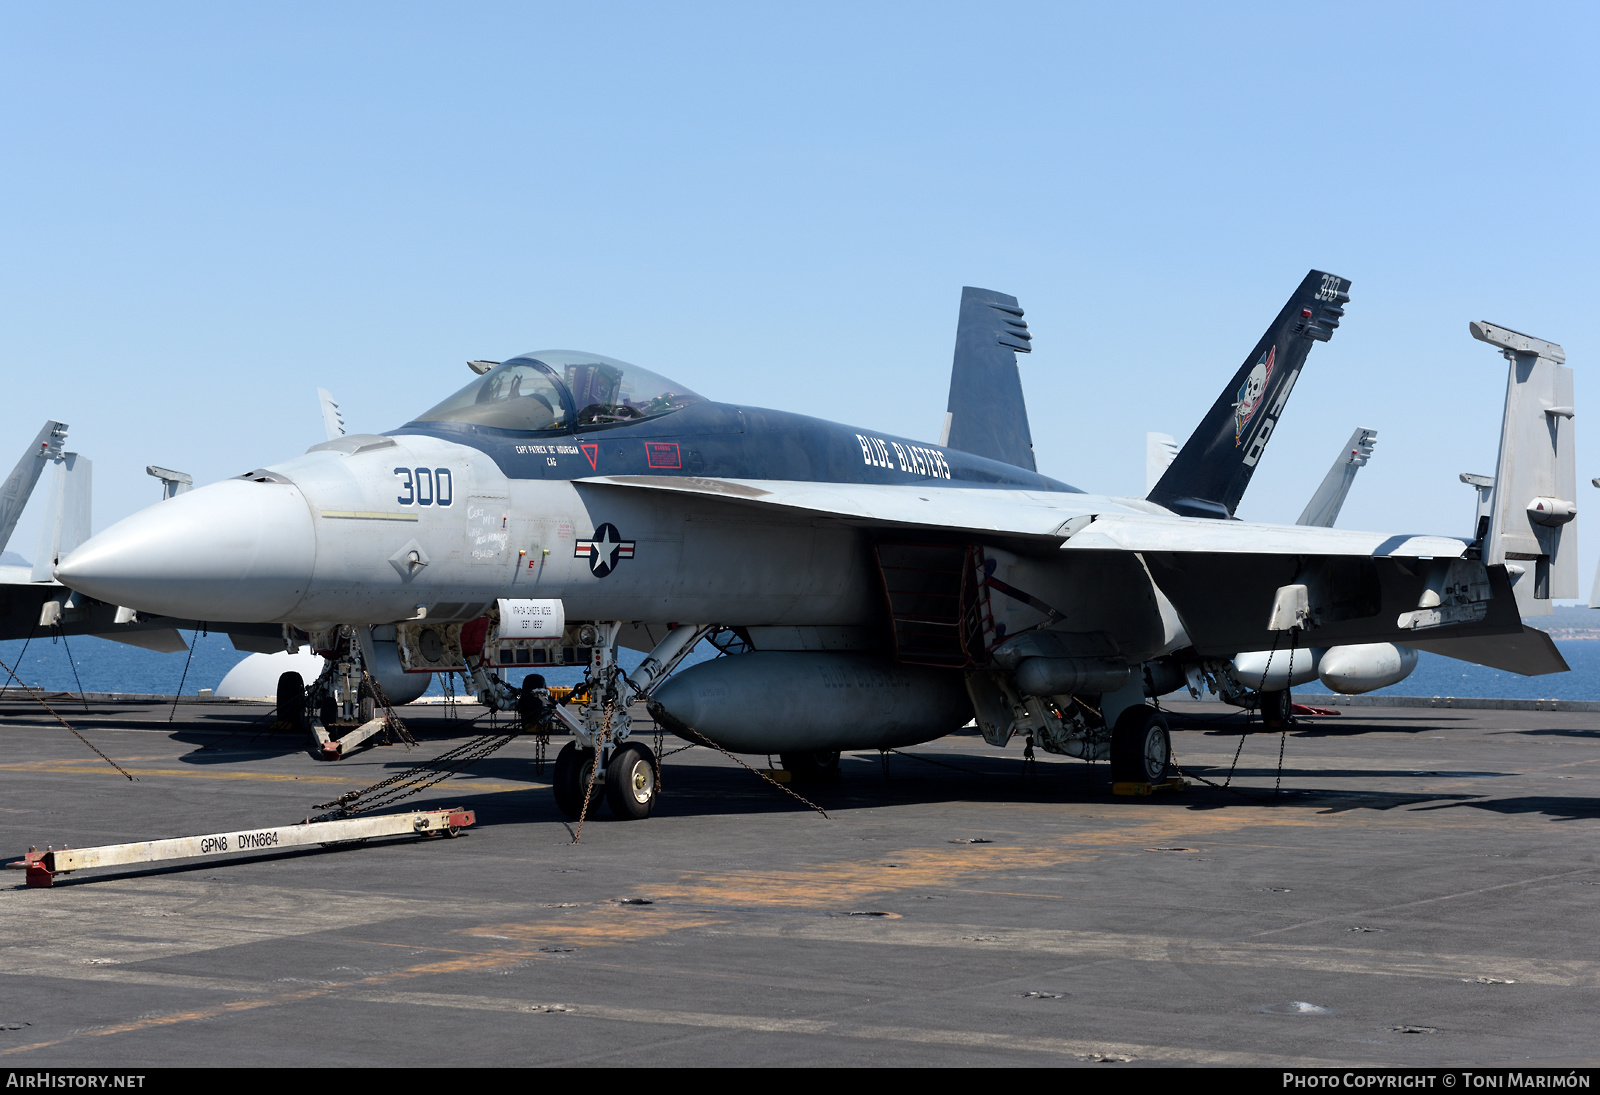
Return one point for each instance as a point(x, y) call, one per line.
point(792, 701)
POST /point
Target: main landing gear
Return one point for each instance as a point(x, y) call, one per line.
point(1141, 746)
point(1277, 709)
point(816, 766)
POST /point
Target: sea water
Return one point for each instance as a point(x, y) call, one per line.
point(100, 665)
point(83, 663)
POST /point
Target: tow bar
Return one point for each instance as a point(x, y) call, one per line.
point(327, 747)
point(42, 867)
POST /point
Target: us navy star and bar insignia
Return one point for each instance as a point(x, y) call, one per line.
point(604, 550)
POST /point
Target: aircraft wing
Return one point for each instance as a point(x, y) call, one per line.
point(1221, 576)
point(1076, 521)
point(998, 510)
point(1151, 533)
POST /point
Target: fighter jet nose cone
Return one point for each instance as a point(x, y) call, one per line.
point(236, 550)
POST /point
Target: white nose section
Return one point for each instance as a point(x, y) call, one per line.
point(234, 551)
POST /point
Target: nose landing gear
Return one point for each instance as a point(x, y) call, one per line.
point(628, 778)
point(626, 781)
point(573, 772)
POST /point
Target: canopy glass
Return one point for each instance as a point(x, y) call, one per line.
point(562, 390)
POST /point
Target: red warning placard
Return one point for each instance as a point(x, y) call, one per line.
point(662, 454)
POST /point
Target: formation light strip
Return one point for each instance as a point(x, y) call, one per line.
point(367, 515)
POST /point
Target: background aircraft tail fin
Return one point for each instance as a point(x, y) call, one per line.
point(332, 419)
point(1534, 497)
point(19, 484)
point(1160, 450)
point(1323, 509)
point(67, 516)
point(1211, 471)
point(986, 415)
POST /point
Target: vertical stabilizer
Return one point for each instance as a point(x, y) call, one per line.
point(1214, 466)
point(1536, 478)
point(1323, 509)
point(19, 484)
point(986, 415)
point(66, 520)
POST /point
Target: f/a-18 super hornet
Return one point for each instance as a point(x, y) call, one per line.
point(870, 591)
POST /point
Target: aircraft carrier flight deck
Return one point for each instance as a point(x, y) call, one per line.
point(1417, 892)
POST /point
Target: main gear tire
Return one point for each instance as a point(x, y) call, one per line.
point(292, 700)
point(571, 780)
point(1141, 746)
point(1277, 710)
point(813, 766)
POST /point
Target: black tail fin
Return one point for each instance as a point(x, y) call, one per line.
point(1211, 471)
point(986, 415)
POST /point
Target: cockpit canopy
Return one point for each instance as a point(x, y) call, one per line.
point(562, 390)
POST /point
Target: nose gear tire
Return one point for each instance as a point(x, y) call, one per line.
point(631, 782)
point(571, 780)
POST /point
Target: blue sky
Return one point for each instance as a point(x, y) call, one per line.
point(211, 210)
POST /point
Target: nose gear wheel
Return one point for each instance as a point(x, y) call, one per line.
point(631, 781)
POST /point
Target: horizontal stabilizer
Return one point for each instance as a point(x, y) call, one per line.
point(256, 644)
point(1532, 653)
point(986, 415)
point(1214, 466)
point(165, 640)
